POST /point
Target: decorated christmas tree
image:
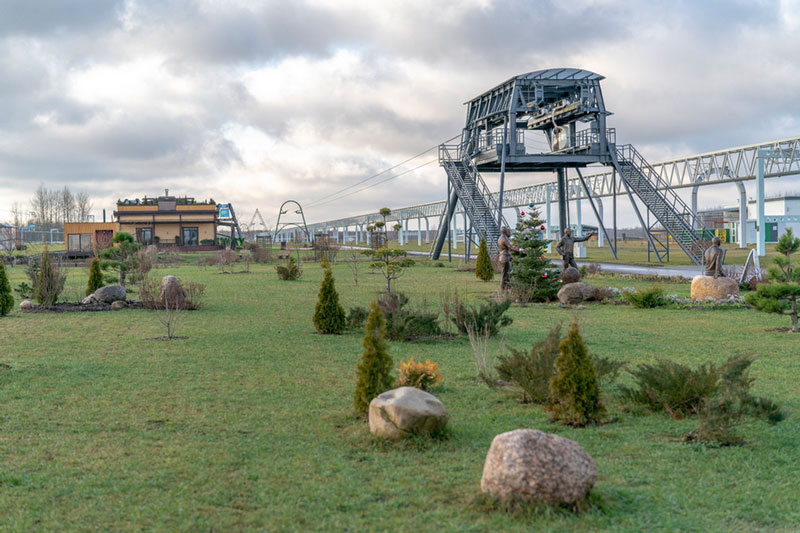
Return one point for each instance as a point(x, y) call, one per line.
point(533, 277)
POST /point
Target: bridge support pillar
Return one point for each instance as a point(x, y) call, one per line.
point(548, 237)
point(579, 229)
point(600, 234)
point(761, 241)
point(562, 201)
point(742, 215)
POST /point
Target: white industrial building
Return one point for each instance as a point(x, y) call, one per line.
point(780, 212)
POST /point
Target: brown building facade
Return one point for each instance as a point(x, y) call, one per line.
point(168, 220)
point(89, 236)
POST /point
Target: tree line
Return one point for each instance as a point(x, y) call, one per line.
point(52, 208)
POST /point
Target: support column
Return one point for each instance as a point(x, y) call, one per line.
point(419, 231)
point(562, 201)
point(400, 232)
point(742, 215)
point(548, 188)
point(694, 207)
point(454, 225)
point(519, 216)
point(427, 231)
point(601, 242)
point(579, 229)
point(760, 229)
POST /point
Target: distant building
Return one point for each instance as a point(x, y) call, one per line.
point(780, 213)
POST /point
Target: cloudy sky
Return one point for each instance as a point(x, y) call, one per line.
point(259, 102)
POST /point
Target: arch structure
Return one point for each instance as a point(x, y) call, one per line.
point(296, 224)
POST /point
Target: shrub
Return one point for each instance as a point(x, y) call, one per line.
point(782, 294)
point(483, 265)
point(121, 256)
point(489, 316)
point(671, 387)
point(51, 281)
point(374, 372)
point(95, 277)
point(329, 317)
point(25, 290)
point(6, 298)
point(357, 317)
point(404, 323)
point(533, 370)
point(225, 260)
point(417, 374)
point(646, 298)
point(484, 359)
point(291, 272)
point(194, 294)
point(574, 391)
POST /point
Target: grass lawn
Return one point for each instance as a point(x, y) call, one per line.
point(248, 422)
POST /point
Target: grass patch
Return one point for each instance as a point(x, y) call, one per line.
point(248, 423)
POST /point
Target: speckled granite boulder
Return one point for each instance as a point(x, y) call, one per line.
point(530, 465)
point(710, 288)
point(405, 411)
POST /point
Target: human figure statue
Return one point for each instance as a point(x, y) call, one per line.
point(504, 244)
point(715, 256)
point(566, 247)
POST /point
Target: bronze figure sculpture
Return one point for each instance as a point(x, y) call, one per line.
point(504, 244)
point(565, 248)
point(714, 257)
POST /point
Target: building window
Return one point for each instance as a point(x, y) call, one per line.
point(79, 242)
point(144, 236)
point(190, 237)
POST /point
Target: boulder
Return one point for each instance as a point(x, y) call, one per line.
point(405, 411)
point(89, 300)
point(119, 304)
point(570, 275)
point(575, 293)
point(26, 305)
point(710, 288)
point(110, 293)
point(172, 294)
point(530, 465)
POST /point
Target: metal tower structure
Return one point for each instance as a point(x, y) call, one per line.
point(552, 105)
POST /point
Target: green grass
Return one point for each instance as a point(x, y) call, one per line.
point(248, 423)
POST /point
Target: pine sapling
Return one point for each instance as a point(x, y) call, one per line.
point(374, 370)
point(783, 292)
point(574, 390)
point(95, 277)
point(6, 298)
point(483, 266)
point(329, 316)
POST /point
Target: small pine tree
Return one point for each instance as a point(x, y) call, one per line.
point(374, 371)
point(483, 266)
point(95, 277)
point(6, 298)
point(51, 281)
point(574, 390)
point(782, 294)
point(329, 316)
point(533, 277)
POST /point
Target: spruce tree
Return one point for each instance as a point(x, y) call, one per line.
point(574, 391)
point(6, 298)
point(374, 371)
point(483, 265)
point(533, 277)
point(782, 294)
point(329, 316)
point(51, 281)
point(95, 277)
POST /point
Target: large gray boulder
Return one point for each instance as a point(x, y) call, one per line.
point(570, 275)
point(172, 294)
point(110, 294)
point(530, 465)
point(405, 411)
point(26, 305)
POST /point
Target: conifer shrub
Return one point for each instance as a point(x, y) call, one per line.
point(329, 317)
point(374, 371)
point(95, 277)
point(489, 316)
point(574, 390)
point(483, 265)
point(6, 298)
point(533, 370)
point(533, 277)
point(51, 281)
point(417, 374)
point(783, 292)
point(646, 298)
point(357, 317)
point(291, 272)
point(404, 323)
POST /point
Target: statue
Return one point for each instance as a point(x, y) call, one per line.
point(714, 257)
point(504, 244)
point(566, 246)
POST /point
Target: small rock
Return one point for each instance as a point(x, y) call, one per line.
point(570, 275)
point(110, 293)
point(172, 294)
point(119, 304)
point(711, 288)
point(404, 411)
point(26, 305)
point(89, 300)
point(530, 465)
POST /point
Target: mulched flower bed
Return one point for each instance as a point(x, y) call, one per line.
point(70, 307)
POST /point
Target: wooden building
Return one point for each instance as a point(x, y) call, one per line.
point(88, 236)
point(169, 220)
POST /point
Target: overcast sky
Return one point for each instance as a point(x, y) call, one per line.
point(255, 103)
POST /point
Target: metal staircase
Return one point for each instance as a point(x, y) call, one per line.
point(479, 204)
point(666, 206)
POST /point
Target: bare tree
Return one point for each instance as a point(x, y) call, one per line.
point(39, 205)
point(66, 205)
point(83, 205)
point(17, 214)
